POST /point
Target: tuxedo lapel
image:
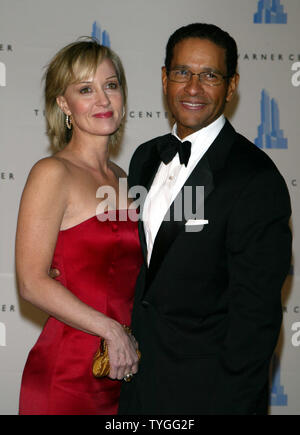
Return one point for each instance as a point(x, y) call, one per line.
point(148, 172)
point(142, 239)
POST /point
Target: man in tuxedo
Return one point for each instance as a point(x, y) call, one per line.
point(207, 311)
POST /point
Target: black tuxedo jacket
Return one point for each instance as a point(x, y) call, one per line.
point(207, 311)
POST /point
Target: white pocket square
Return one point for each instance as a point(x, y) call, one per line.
point(195, 225)
point(197, 222)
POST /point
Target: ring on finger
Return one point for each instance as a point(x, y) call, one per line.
point(128, 377)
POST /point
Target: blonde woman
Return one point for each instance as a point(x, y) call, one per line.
point(98, 259)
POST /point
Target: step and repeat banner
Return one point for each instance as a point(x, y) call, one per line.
point(266, 110)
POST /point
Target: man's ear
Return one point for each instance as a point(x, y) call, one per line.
point(164, 79)
point(232, 87)
point(63, 105)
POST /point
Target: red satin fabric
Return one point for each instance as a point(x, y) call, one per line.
point(99, 263)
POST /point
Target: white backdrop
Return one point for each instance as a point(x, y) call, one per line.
point(31, 31)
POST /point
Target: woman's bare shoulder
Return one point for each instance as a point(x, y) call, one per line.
point(49, 169)
point(49, 165)
point(48, 178)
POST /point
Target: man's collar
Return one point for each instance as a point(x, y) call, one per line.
point(218, 124)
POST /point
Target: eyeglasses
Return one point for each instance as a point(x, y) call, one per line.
point(209, 78)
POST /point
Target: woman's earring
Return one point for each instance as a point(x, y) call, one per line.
point(68, 122)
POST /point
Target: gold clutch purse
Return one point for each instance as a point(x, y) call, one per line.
point(101, 361)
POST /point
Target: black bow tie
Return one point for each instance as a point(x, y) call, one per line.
point(168, 150)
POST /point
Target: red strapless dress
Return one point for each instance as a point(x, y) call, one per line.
point(99, 263)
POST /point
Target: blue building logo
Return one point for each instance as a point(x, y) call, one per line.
point(269, 133)
point(277, 396)
point(101, 36)
point(270, 11)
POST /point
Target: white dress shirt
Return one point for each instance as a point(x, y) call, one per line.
point(170, 178)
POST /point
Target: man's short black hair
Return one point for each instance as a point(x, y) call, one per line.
point(205, 31)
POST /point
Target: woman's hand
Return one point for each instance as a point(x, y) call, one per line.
point(122, 352)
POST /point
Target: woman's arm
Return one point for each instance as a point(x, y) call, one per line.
point(43, 204)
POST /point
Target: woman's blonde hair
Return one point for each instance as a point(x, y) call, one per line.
point(72, 64)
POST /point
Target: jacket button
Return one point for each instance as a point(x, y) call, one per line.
point(145, 304)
